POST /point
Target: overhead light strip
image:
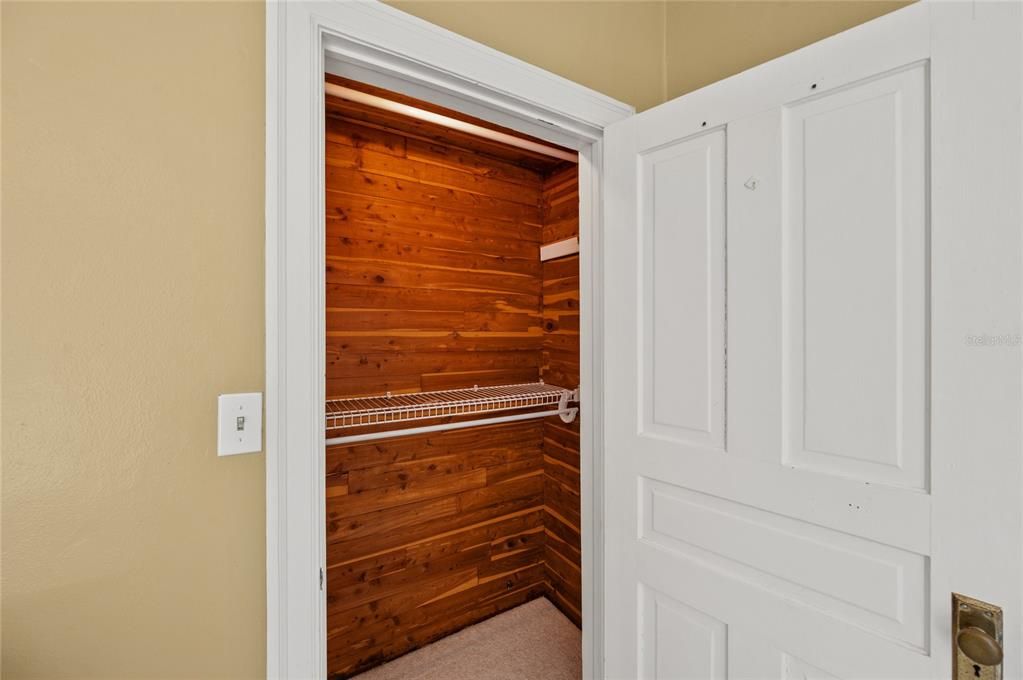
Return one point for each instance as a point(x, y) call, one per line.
point(448, 122)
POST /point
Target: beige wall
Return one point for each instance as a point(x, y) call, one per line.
point(711, 40)
point(132, 295)
point(132, 278)
point(614, 47)
point(642, 52)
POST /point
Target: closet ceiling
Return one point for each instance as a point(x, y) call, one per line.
point(429, 132)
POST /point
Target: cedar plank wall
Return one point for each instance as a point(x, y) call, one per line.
point(560, 366)
point(433, 268)
point(428, 534)
point(433, 281)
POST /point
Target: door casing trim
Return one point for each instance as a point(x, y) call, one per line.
point(379, 44)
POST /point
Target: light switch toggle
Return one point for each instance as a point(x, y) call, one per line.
point(239, 423)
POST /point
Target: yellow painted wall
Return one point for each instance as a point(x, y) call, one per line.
point(132, 141)
point(132, 279)
point(712, 39)
point(614, 47)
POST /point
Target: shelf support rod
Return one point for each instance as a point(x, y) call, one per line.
point(567, 414)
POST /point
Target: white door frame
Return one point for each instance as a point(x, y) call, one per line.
point(382, 45)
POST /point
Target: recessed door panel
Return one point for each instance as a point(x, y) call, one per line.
point(681, 643)
point(878, 588)
point(682, 227)
point(856, 281)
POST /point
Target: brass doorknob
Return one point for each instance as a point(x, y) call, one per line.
point(977, 644)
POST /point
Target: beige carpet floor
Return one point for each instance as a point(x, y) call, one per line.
point(531, 642)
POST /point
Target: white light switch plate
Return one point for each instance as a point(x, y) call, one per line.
point(239, 423)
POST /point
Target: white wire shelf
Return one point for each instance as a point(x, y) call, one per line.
point(355, 412)
point(397, 408)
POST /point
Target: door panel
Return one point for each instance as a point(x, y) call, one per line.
point(874, 586)
point(781, 500)
point(680, 642)
point(855, 280)
point(682, 188)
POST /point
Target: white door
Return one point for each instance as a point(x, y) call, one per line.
point(813, 308)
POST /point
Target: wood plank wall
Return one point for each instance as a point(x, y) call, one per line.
point(560, 366)
point(433, 268)
point(434, 281)
point(429, 534)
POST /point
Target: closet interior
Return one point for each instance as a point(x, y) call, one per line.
point(450, 496)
